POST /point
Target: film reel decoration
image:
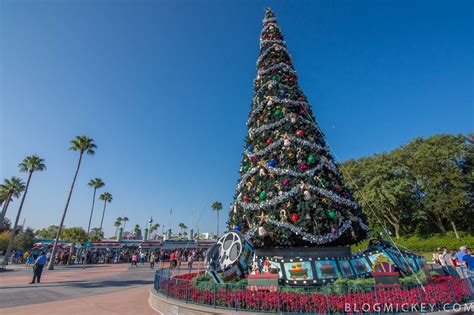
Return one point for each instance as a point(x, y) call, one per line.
point(230, 257)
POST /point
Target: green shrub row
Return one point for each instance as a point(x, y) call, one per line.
point(429, 243)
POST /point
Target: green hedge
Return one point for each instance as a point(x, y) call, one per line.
point(428, 243)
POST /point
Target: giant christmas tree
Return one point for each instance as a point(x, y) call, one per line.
point(290, 192)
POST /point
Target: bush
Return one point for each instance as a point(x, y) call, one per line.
point(430, 243)
point(411, 280)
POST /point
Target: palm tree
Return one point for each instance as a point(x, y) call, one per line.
point(96, 234)
point(182, 227)
point(95, 183)
point(217, 206)
point(117, 224)
point(125, 220)
point(107, 198)
point(10, 188)
point(154, 228)
point(135, 230)
point(83, 144)
point(30, 164)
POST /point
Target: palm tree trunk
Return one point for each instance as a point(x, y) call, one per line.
point(92, 211)
point(4, 209)
point(217, 224)
point(58, 234)
point(12, 233)
point(103, 213)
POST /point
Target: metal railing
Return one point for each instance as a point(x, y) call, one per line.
point(325, 299)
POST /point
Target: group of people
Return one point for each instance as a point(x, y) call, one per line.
point(175, 257)
point(456, 263)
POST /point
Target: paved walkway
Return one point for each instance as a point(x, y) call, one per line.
point(130, 301)
point(61, 273)
point(99, 289)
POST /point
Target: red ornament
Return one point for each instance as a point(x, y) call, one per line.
point(245, 198)
point(294, 217)
point(261, 118)
point(269, 141)
point(300, 133)
point(292, 79)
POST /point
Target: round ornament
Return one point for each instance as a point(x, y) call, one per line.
point(245, 198)
point(277, 112)
point(306, 195)
point(237, 227)
point(294, 217)
point(271, 163)
point(303, 166)
point(262, 195)
point(286, 182)
point(269, 141)
point(300, 133)
point(249, 149)
point(245, 168)
point(332, 214)
point(311, 159)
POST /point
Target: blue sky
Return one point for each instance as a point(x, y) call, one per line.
point(164, 88)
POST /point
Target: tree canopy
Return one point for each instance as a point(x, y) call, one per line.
point(423, 187)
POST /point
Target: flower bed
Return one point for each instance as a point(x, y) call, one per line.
point(317, 299)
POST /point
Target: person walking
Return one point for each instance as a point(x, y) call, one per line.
point(162, 258)
point(38, 268)
point(142, 258)
point(190, 263)
point(134, 259)
point(29, 260)
point(152, 260)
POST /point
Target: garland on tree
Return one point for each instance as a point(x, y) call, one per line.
point(290, 192)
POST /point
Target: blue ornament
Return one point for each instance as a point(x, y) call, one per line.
point(283, 94)
point(250, 148)
point(237, 227)
point(272, 163)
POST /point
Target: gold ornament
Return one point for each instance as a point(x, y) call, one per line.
point(263, 218)
point(283, 216)
point(249, 185)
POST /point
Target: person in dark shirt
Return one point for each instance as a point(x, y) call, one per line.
point(38, 268)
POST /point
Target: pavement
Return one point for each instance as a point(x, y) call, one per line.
point(99, 289)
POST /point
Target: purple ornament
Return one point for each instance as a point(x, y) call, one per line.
point(286, 182)
point(303, 166)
